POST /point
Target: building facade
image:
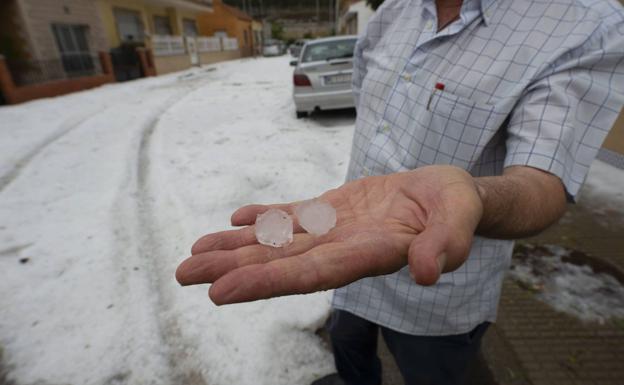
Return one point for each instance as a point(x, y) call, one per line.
point(353, 17)
point(257, 28)
point(227, 22)
point(169, 28)
point(46, 40)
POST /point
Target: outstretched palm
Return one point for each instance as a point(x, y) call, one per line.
point(425, 218)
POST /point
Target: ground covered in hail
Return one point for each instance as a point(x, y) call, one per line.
point(102, 194)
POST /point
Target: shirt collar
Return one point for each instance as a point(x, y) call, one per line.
point(486, 8)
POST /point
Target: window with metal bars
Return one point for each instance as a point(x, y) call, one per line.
point(73, 45)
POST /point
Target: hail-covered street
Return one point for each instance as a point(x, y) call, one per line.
point(102, 194)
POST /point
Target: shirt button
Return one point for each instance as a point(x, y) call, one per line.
point(365, 172)
point(385, 127)
point(429, 24)
point(407, 77)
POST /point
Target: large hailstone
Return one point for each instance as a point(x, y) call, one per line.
point(316, 217)
point(274, 228)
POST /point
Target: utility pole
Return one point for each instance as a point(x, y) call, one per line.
point(337, 16)
point(318, 10)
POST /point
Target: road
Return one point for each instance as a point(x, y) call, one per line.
point(101, 195)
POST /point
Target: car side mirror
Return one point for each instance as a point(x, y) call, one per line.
point(293, 63)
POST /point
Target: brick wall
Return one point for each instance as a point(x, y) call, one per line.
point(615, 140)
point(14, 39)
point(18, 94)
point(39, 15)
point(612, 150)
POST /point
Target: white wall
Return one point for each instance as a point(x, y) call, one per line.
point(364, 13)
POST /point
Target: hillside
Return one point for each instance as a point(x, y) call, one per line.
point(287, 9)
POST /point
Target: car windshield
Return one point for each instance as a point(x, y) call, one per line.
point(329, 50)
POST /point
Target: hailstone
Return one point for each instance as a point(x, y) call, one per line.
point(315, 216)
point(274, 228)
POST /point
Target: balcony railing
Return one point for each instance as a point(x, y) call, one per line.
point(175, 45)
point(208, 44)
point(230, 44)
point(168, 45)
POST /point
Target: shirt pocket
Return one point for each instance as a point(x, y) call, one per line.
point(458, 128)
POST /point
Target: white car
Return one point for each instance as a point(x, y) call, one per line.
point(272, 48)
point(322, 76)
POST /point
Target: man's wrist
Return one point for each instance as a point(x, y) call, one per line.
point(481, 190)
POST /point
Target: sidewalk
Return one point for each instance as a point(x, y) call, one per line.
point(533, 344)
point(546, 347)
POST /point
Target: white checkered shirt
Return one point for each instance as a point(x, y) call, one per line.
point(525, 82)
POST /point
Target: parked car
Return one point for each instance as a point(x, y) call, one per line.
point(322, 76)
point(295, 48)
point(273, 47)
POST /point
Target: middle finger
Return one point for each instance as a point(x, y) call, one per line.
point(209, 266)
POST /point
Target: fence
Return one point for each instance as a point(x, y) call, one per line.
point(168, 45)
point(27, 72)
point(21, 81)
point(208, 44)
point(230, 43)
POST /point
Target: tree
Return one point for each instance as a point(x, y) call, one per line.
point(374, 4)
point(277, 31)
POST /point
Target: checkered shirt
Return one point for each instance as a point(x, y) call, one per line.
point(534, 83)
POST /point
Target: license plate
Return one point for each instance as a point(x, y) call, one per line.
point(338, 79)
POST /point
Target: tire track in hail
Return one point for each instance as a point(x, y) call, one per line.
point(71, 124)
point(11, 175)
point(151, 255)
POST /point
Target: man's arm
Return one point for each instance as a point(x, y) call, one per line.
point(425, 218)
point(520, 203)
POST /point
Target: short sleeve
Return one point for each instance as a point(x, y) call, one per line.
point(560, 122)
point(359, 68)
point(371, 35)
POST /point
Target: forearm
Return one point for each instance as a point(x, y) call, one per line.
point(522, 202)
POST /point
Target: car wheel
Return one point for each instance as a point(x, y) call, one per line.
point(301, 114)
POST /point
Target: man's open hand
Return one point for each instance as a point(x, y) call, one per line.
point(425, 218)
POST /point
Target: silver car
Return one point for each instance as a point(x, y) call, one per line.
point(295, 48)
point(322, 77)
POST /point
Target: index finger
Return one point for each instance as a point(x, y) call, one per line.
point(225, 240)
point(246, 215)
point(234, 239)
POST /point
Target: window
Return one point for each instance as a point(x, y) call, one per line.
point(162, 26)
point(330, 50)
point(129, 25)
point(73, 46)
point(189, 27)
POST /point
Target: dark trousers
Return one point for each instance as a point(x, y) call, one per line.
point(437, 360)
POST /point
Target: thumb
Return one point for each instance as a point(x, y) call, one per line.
point(427, 255)
point(439, 249)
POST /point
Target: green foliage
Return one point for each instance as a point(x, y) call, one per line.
point(374, 4)
point(277, 31)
